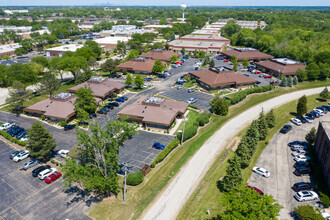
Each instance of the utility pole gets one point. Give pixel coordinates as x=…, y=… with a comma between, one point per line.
x=125, y=169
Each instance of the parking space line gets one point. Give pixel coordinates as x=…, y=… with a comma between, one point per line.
x=16, y=212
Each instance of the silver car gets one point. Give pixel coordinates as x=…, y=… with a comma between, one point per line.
x=30, y=164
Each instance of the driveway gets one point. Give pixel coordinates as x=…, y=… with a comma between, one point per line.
x=168, y=204
x=277, y=158
x=26, y=197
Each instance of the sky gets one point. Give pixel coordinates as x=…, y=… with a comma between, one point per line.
x=167, y=2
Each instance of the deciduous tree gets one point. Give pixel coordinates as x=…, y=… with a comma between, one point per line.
x=138, y=81
x=17, y=95
x=49, y=83
x=129, y=79
x=219, y=106
x=158, y=67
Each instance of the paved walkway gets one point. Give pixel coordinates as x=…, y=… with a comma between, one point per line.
x=183, y=184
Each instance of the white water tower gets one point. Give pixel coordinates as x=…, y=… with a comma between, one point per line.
x=183, y=7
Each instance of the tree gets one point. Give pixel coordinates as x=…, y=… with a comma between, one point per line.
x=85, y=52
x=206, y=60
x=310, y=136
x=94, y=46
x=263, y=126
x=107, y=53
x=83, y=75
x=43, y=61
x=85, y=100
x=92, y=62
x=301, y=75
x=212, y=64
x=233, y=178
x=17, y=95
x=324, y=71
x=234, y=62
x=129, y=79
x=40, y=142
x=20, y=51
x=230, y=29
x=167, y=46
x=290, y=81
x=4, y=77
x=270, y=118
x=235, y=67
x=307, y=212
x=109, y=65
x=72, y=64
x=174, y=58
x=138, y=81
x=132, y=54
x=295, y=80
x=158, y=67
x=183, y=50
x=6, y=57
x=219, y=106
x=302, y=105
x=24, y=73
x=121, y=48
x=313, y=71
x=98, y=157
x=244, y=203
x=325, y=93
x=245, y=62
x=49, y=83
x=284, y=82
x=243, y=152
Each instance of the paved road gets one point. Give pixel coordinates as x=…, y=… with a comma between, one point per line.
x=277, y=158
x=173, y=198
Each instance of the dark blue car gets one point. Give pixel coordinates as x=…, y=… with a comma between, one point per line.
x=21, y=134
x=120, y=99
x=158, y=146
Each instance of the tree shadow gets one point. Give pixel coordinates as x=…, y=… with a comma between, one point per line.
x=294, y=114
x=321, y=99
x=81, y=195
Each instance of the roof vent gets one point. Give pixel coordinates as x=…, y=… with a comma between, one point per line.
x=143, y=111
x=47, y=106
x=51, y=102
x=145, y=107
x=171, y=108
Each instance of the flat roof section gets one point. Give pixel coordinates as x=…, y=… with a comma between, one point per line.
x=285, y=61
x=204, y=38
x=64, y=48
x=197, y=44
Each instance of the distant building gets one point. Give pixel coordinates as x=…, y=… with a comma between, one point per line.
x=15, y=29
x=220, y=78
x=322, y=149
x=249, y=53
x=8, y=49
x=10, y=12
x=102, y=87
x=139, y=65
x=244, y=24
x=280, y=66
x=156, y=27
x=110, y=43
x=159, y=54
x=154, y=112
x=206, y=32
x=59, y=51
x=123, y=31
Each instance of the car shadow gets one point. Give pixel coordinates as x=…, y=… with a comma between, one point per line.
x=81, y=195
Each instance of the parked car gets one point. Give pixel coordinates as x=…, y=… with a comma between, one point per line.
x=30, y=164
x=312, y=116
x=21, y=156
x=13, y=154
x=21, y=134
x=108, y=109
x=302, y=186
x=327, y=107
x=162, y=76
x=175, y=65
x=302, y=164
x=38, y=170
x=301, y=158
x=144, y=86
x=52, y=177
x=296, y=121
x=179, y=87
x=24, y=138
x=63, y=153
x=286, y=129
x=226, y=61
x=267, y=76
x=120, y=100
x=321, y=113
x=325, y=110
x=306, y=196
x=69, y=127
x=116, y=104
x=158, y=146
x=109, y=106
x=102, y=111
x=261, y=171
x=325, y=215
x=302, y=171
x=43, y=174
x=302, y=119
x=179, y=62
x=191, y=90
x=246, y=75
x=255, y=189
x=292, y=143
x=315, y=113
x=6, y=126
x=191, y=100
x=148, y=79
x=296, y=147
x=258, y=82
x=299, y=152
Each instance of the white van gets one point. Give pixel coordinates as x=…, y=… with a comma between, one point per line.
x=46, y=173
x=298, y=147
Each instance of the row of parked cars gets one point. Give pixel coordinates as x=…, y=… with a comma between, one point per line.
x=45, y=173
x=14, y=130
x=309, y=117
x=105, y=109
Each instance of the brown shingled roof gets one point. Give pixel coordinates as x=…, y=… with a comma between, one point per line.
x=162, y=55
x=214, y=79
x=138, y=65
x=288, y=69
x=249, y=54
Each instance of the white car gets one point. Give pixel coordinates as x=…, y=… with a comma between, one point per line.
x=306, y=196
x=145, y=86
x=24, y=138
x=21, y=156
x=46, y=173
x=64, y=153
x=308, y=119
x=296, y=121
x=299, y=152
x=326, y=216
x=6, y=126
x=319, y=111
x=261, y=171
x=191, y=100
x=302, y=158
x=179, y=87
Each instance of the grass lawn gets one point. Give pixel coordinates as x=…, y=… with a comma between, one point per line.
x=139, y=197
x=192, y=116
x=207, y=196
x=188, y=84
x=135, y=89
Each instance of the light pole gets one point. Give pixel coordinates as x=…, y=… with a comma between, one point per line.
x=125, y=169
x=184, y=126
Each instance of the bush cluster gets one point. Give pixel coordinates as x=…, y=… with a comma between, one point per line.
x=135, y=179
x=240, y=95
x=12, y=139
x=203, y=119
x=165, y=152
x=63, y=123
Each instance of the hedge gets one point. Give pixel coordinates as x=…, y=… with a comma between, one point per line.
x=193, y=106
x=63, y=123
x=160, y=157
x=188, y=132
x=12, y=139
x=240, y=95
x=203, y=119
x=135, y=179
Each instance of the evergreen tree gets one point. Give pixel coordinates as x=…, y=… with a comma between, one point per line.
x=40, y=142
x=129, y=79
x=252, y=136
x=325, y=93
x=263, y=126
x=219, y=106
x=270, y=119
x=310, y=136
x=290, y=81
x=233, y=178
x=302, y=105
x=206, y=61
x=244, y=153
x=295, y=80
x=284, y=82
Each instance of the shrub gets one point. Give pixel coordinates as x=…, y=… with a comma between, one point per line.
x=52, y=161
x=203, y=119
x=165, y=152
x=63, y=123
x=307, y=212
x=193, y=106
x=42, y=117
x=135, y=179
x=189, y=132
x=12, y=139
x=240, y=95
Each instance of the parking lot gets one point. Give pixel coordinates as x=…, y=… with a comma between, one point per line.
x=277, y=159
x=203, y=99
x=26, y=197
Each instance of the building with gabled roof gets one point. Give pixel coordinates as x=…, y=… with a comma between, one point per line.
x=154, y=112
x=246, y=53
x=140, y=65
x=160, y=54
x=280, y=66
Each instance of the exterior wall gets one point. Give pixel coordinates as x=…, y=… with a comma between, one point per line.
x=54, y=53
x=322, y=150
x=9, y=53
x=108, y=46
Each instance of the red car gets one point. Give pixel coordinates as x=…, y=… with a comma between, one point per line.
x=179, y=62
x=226, y=61
x=257, y=72
x=267, y=76
x=186, y=74
x=255, y=189
x=53, y=177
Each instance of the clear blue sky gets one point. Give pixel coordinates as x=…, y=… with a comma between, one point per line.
x=169, y=2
